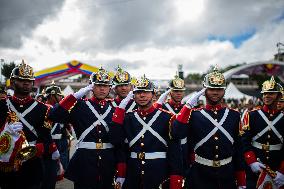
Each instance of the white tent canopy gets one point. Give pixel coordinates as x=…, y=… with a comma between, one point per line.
x=68, y=90
x=233, y=93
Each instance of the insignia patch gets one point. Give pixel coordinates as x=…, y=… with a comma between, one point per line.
x=5, y=143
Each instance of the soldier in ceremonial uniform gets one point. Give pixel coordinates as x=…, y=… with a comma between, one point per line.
x=93, y=165
x=262, y=136
x=147, y=131
x=23, y=120
x=214, y=134
x=122, y=86
x=280, y=104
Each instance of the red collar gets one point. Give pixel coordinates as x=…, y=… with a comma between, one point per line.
x=22, y=101
x=213, y=107
x=118, y=100
x=145, y=112
x=174, y=104
x=265, y=108
x=99, y=102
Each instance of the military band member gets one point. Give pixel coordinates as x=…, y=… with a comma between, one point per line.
x=214, y=133
x=22, y=118
x=94, y=163
x=262, y=136
x=122, y=86
x=147, y=131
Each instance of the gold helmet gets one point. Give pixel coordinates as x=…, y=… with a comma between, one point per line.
x=144, y=84
x=282, y=97
x=23, y=71
x=101, y=77
x=214, y=79
x=53, y=90
x=177, y=84
x=121, y=77
x=271, y=86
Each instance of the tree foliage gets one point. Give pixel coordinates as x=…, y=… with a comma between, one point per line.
x=7, y=68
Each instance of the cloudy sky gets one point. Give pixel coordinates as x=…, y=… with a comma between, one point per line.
x=142, y=36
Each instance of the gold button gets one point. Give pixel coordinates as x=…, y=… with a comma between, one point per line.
x=268, y=136
x=142, y=172
x=142, y=144
x=215, y=112
x=267, y=157
x=100, y=157
x=216, y=138
x=269, y=129
x=142, y=136
x=143, y=162
x=216, y=147
x=144, y=118
x=215, y=119
x=216, y=156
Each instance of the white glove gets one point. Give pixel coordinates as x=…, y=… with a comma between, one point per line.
x=55, y=155
x=192, y=101
x=279, y=179
x=242, y=187
x=79, y=94
x=15, y=128
x=125, y=101
x=256, y=167
x=119, y=181
x=163, y=97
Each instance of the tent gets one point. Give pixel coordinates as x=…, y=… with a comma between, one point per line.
x=233, y=93
x=68, y=90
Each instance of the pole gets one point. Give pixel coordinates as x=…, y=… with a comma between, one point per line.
x=2, y=61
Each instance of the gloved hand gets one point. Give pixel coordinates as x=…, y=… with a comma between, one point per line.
x=119, y=182
x=55, y=155
x=279, y=179
x=79, y=94
x=125, y=101
x=192, y=101
x=163, y=97
x=15, y=128
x=256, y=167
x=242, y=187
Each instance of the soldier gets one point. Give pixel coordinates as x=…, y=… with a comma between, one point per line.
x=54, y=95
x=93, y=163
x=280, y=104
x=25, y=134
x=214, y=134
x=122, y=86
x=262, y=136
x=147, y=130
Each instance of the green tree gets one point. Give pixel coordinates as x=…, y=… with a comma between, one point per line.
x=7, y=68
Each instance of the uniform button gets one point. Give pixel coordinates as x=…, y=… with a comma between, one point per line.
x=216, y=138
x=142, y=136
x=142, y=172
x=216, y=147
x=100, y=131
x=215, y=112
x=268, y=136
x=267, y=157
x=215, y=119
x=143, y=162
x=216, y=156
x=100, y=157
x=269, y=129
x=144, y=118
x=271, y=115
x=102, y=106
x=142, y=144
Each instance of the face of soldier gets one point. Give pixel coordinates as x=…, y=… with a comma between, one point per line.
x=22, y=87
x=280, y=105
x=177, y=95
x=214, y=95
x=270, y=98
x=101, y=91
x=122, y=90
x=143, y=98
x=53, y=99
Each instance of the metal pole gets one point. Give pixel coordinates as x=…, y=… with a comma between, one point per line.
x=2, y=61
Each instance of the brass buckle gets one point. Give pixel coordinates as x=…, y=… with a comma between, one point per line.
x=216, y=163
x=265, y=147
x=99, y=145
x=141, y=155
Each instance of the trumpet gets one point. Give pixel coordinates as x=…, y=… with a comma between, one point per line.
x=26, y=151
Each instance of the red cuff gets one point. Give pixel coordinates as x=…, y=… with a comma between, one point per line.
x=176, y=182
x=40, y=149
x=68, y=102
x=241, y=178
x=184, y=114
x=52, y=148
x=250, y=157
x=121, y=170
x=281, y=168
x=157, y=105
x=118, y=115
